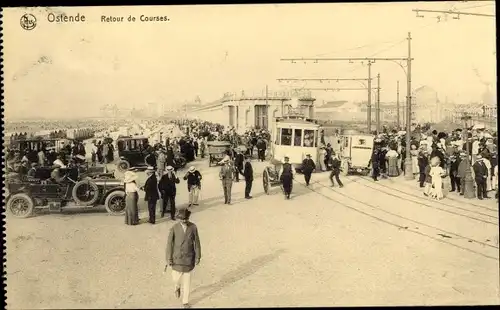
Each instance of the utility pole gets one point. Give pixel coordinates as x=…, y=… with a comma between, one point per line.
x=369, y=103
x=267, y=108
x=408, y=162
x=397, y=107
x=377, y=107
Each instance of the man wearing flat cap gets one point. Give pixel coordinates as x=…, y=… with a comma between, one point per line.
x=286, y=175
x=308, y=166
x=183, y=254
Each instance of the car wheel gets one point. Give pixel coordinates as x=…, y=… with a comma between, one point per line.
x=115, y=203
x=123, y=165
x=85, y=193
x=20, y=205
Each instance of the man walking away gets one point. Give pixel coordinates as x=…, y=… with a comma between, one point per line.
x=183, y=254
x=335, y=171
x=226, y=175
x=168, y=190
x=150, y=189
x=308, y=166
x=480, y=174
x=261, y=149
x=248, y=173
x=286, y=177
x=193, y=178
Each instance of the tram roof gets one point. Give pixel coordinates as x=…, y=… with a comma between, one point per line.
x=298, y=122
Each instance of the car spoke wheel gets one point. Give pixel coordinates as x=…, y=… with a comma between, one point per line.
x=123, y=165
x=20, y=205
x=115, y=203
x=85, y=193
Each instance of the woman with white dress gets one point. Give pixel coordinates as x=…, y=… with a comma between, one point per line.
x=414, y=159
x=487, y=163
x=436, y=173
x=322, y=154
x=131, y=198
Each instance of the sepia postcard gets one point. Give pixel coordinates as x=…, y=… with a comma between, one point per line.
x=269, y=155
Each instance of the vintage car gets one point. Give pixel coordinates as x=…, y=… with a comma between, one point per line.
x=356, y=151
x=134, y=152
x=25, y=194
x=217, y=150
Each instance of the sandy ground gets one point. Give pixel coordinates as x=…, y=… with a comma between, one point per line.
x=390, y=246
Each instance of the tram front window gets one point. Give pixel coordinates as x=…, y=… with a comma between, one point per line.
x=286, y=136
x=297, y=140
x=308, y=138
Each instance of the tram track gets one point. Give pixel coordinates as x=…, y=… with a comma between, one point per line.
x=425, y=202
x=447, y=197
x=472, y=245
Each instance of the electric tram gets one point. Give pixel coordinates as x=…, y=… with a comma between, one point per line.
x=294, y=136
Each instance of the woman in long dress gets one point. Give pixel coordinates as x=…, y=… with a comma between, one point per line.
x=436, y=174
x=487, y=163
x=414, y=160
x=322, y=155
x=392, y=159
x=131, y=198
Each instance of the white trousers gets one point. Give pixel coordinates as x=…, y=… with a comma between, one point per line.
x=182, y=279
x=194, y=194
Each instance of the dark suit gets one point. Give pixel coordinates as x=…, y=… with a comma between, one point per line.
x=248, y=173
x=168, y=190
x=151, y=196
x=308, y=166
x=454, y=178
x=480, y=175
x=183, y=248
x=335, y=172
x=238, y=163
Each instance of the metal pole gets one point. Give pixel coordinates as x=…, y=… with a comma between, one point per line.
x=469, y=192
x=408, y=163
x=267, y=107
x=369, y=105
x=397, y=107
x=377, y=107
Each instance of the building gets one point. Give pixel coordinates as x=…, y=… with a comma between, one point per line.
x=243, y=111
x=426, y=107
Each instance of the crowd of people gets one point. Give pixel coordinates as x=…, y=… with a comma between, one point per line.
x=438, y=155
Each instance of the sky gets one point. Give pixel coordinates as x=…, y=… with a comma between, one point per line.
x=70, y=70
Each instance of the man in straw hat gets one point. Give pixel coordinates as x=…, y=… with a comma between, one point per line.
x=226, y=175
x=183, y=254
x=168, y=190
x=150, y=189
x=286, y=177
x=193, y=178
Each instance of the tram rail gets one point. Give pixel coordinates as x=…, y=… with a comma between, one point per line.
x=472, y=245
x=423, y=204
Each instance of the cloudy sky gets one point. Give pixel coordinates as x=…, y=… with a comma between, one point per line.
x=70, y=70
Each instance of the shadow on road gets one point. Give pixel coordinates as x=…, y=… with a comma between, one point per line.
x=243, y=271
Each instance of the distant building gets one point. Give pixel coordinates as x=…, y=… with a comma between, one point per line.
x=243, y=111
x=426, y=106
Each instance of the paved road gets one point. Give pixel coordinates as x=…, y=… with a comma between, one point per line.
x=366, y=244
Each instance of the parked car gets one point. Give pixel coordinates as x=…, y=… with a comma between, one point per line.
x=25, y=194
x=136, y=152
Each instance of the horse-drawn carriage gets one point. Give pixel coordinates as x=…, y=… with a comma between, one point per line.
x=294, y=137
